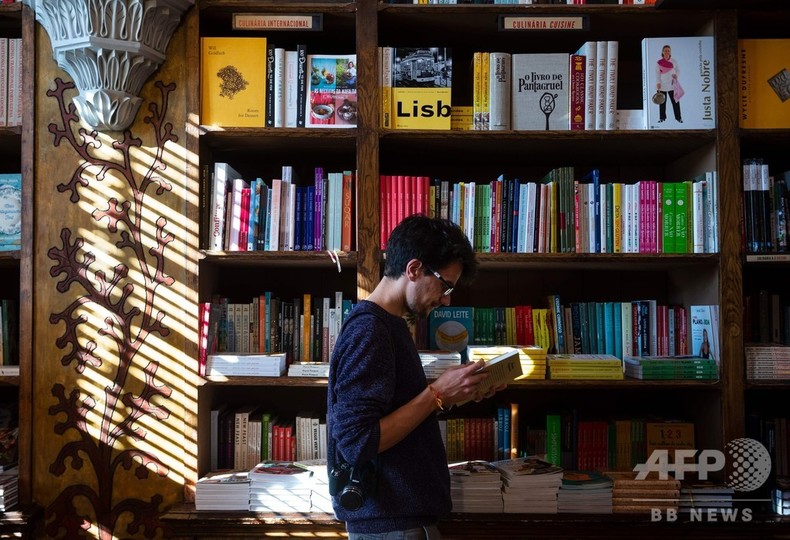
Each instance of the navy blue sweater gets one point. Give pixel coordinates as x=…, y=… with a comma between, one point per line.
x=375, y=369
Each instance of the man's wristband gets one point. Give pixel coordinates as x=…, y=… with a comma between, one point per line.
x=437, y=398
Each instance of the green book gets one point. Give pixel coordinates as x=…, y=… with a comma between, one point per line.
x=553, y=439
x=682, y=201
x=668, y=221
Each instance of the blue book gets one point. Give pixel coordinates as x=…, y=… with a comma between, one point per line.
x=10, y=211
x=618, y=330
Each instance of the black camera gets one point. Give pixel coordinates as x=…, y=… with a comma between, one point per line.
x=351, y=484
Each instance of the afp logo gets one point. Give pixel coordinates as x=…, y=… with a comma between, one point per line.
x=750, y=464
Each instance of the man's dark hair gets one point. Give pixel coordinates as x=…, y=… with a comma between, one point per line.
x=436, y=242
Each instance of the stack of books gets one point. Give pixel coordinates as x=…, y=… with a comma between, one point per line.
x=780, y=496
x=585, y=367
x=767, y=362
x=320, y=499
x=585, y=492
x=309, y=369
x=475, y=486
x=670, y=368
x=704, y=495
x=280, y=487
x=9, y=488
x=630, y=495
x=434, y=363
x=532, y=358
x=245, y=365
x=223, y=490
x=529, y=485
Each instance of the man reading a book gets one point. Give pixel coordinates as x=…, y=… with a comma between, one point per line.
x=380, y=407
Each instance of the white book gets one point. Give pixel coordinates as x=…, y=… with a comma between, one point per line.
x=3, y=81
x=14, y=100
x=291, y=88
x=532, y=195
x=540, y=91
x=600, y=84
x=678, y=82
x=588, y=50
x=237, y=185
x=274, y=229
x=522, y=218
x=279, y=87
x=612, y=52
x=223, y=174
x=698, y=217
x=602, y=216
x=249, y=364
x=499, y=91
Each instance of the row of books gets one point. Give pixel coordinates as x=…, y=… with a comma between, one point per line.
x=766, y=206
x=281, y=215
x=532, y=485
x=304, y=328
x=766, y=317
x=619, y=329
x=10, y=211
x=244, y=435
x=279, y=486
x=294, y=89
x=563, y=212
x=10, y=82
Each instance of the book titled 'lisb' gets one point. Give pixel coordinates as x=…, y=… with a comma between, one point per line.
x=233, y=82
x=764, y=88
x=540, y=91
x=678, y=78
x=421, y=88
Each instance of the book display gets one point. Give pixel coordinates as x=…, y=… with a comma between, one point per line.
x=390, y=128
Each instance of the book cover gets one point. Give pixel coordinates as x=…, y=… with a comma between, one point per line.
x=422, y=88
x=233, y=81
x=705, y=331
x=501, y=369
x=332, y=91
x=540, y=91
x=450, y=328
x=10, y=211
x=764, y=86
x=678, y=82
x=499, y=91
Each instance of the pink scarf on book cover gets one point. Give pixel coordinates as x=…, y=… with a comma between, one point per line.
x=665, y=65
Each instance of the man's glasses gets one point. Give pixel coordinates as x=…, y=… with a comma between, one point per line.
x=448, y=287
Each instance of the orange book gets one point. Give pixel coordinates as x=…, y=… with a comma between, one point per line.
x=763, y=86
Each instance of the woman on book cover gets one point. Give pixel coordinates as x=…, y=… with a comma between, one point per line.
x=380, y=407
x=668, y=85
x=705, y=350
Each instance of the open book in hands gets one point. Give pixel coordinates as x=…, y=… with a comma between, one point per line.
x=501, y=369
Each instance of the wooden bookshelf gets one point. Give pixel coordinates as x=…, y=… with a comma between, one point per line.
x=718, y=407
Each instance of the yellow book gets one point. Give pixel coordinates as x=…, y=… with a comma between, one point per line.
x=764, y=83
x=617, y=197
x=477, y=97
x=422, y=88
x=462, y=117
x=233, y=82
x=485, y=99
x=306, y=325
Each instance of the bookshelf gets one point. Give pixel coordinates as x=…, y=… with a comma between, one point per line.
x=16, y=150
x=763, y=401
x=717, y=408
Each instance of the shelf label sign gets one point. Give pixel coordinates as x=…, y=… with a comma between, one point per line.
x=542, y=23
x=262, y=21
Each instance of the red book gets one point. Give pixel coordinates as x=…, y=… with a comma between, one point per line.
x=244, y=225
x=385, y=197
x=347, y=227
x=578, y=72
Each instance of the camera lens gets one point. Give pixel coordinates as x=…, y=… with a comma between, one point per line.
x=351, y=498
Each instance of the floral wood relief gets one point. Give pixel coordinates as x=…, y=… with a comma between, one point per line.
x=107, y=453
